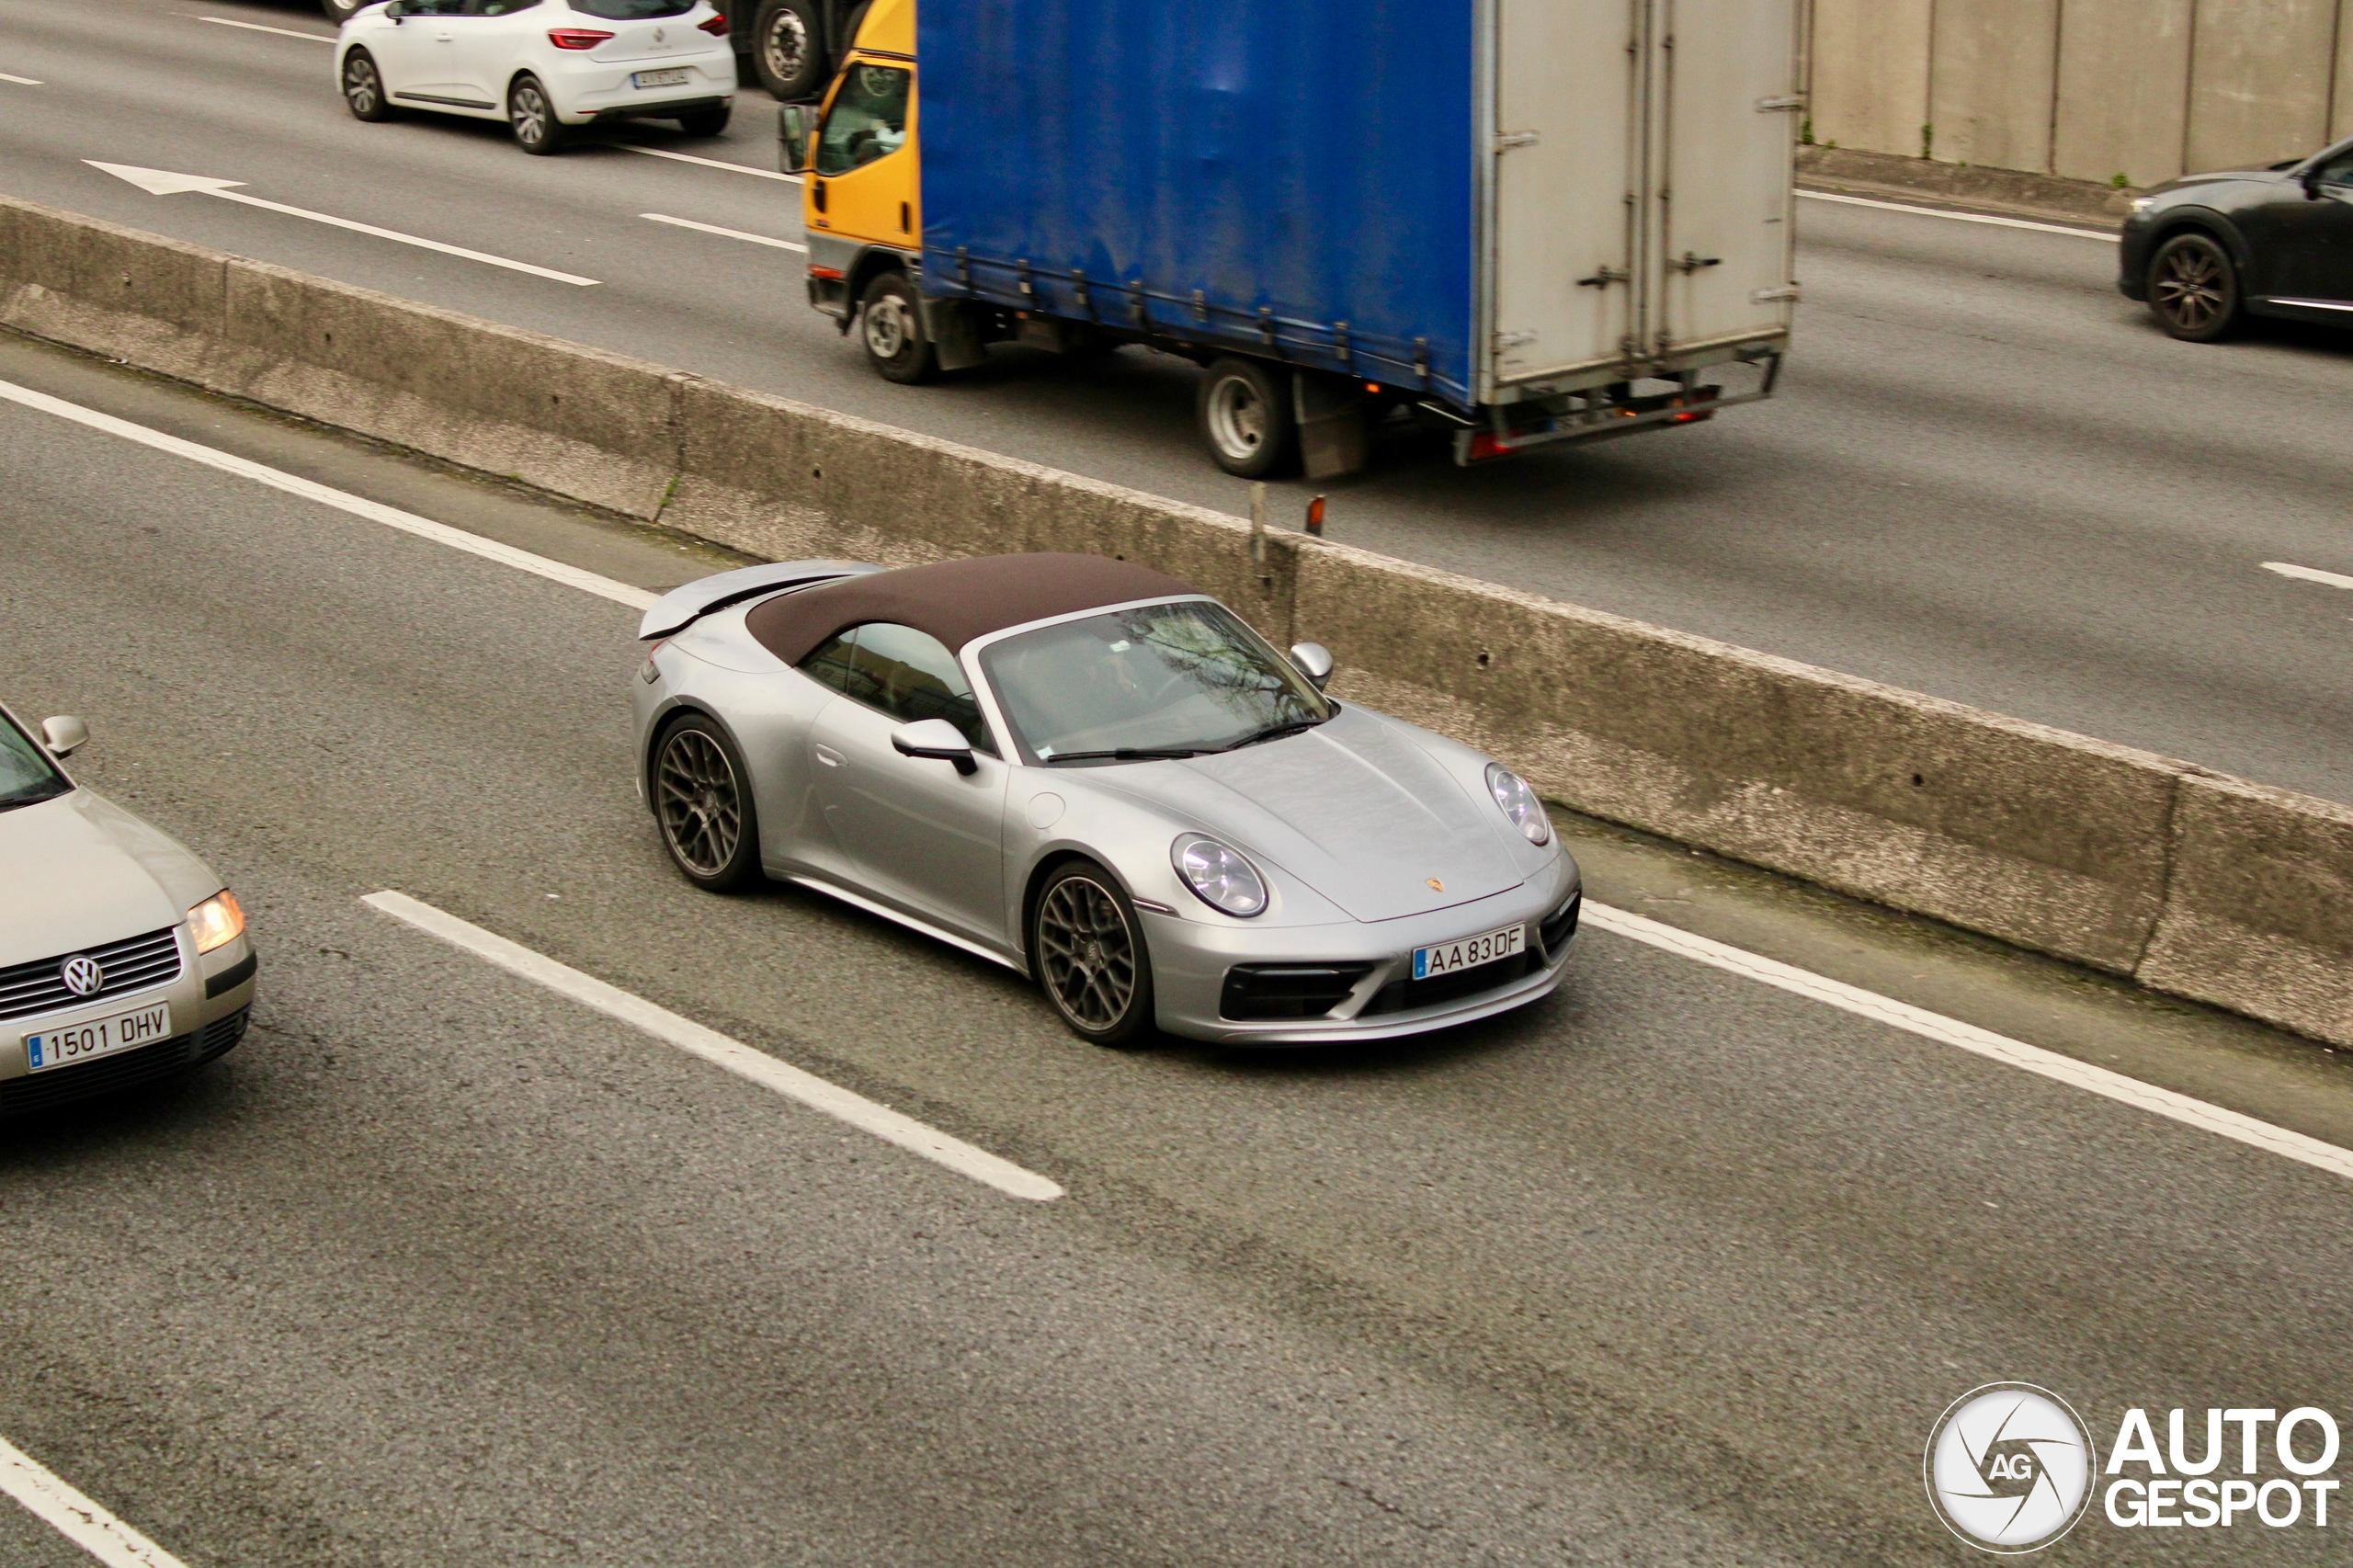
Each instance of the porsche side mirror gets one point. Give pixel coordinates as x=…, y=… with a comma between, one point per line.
x=1314, y=662
x=64, y=734
x=795, y=124
x=936, y=739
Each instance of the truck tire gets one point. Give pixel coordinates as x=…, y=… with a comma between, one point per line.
x=891, y=326
x=1245, y=413
x=340, y=11
x=788, y=49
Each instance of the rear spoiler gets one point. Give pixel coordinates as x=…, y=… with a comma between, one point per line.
x=683, y=606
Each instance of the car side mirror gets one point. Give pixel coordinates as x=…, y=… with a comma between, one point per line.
x=1314, y=662
x=395, y=11
x=64, y=734
x=796, y=126
x=936, y=739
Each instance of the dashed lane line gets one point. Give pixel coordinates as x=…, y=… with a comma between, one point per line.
x=75, y=1517
x=258, y=27
x=2309, y=575
x=758, y=1066
x=22, y=80
x=707, y=163
x=729, y=233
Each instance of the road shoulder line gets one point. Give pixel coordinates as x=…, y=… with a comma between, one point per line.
x=2181, y=1107
x=327, y=496
x=75, y=1517
x=867, y=1115
x=1959, y=217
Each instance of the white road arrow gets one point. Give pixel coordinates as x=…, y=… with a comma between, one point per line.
x=162, y=182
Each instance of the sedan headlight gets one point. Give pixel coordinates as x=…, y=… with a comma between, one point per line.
x=217, y=921
x=1519, y=803
x=1219, y=876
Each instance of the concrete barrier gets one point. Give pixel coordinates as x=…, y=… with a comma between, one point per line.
x=2206, y=887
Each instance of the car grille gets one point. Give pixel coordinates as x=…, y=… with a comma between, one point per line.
x=134, y=964
x=1405, y=996
x=127, y=1070
x=1288, y=991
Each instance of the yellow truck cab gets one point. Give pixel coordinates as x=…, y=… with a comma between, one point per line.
x=861, y=196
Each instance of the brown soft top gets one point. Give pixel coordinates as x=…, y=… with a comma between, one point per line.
x=955, y=600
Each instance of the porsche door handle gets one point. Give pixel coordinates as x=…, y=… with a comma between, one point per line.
x=829, y=756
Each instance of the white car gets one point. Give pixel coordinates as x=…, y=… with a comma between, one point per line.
x=123, y=959
x=543, y=67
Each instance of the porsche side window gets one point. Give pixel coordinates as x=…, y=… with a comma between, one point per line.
x=829, y=666
x=868, y=118
x=910, y=674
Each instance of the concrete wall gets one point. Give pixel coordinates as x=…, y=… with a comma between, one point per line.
x=2126, y=861
x=2088, y=89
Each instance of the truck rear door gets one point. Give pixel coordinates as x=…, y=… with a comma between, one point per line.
x=1638, y=196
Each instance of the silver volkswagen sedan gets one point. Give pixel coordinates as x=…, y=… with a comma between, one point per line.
x=1099, y=777
x=123, y=959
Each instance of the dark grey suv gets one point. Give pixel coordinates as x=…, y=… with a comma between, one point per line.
x=2206, y=250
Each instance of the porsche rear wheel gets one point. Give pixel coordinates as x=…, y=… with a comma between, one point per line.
x=703, y=798
x=1087, y=950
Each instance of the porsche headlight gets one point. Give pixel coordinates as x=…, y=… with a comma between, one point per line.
x=1519, y=803
x=1219, y=876
x=217, y=921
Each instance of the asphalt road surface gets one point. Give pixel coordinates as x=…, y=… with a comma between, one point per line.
x=441, y=1267
x=1988, y=477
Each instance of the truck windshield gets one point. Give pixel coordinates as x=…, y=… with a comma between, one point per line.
x=25, y=773
x=1162, y=680
x=868, y=118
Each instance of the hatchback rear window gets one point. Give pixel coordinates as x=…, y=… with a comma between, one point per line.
x=631, y=10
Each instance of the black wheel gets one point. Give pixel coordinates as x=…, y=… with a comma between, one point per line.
x=702, y=797
x=2194, y=288
x=1246, y=417
x=531, y=113
x=363, y=89
x=892, y=330
x=706, y=122
x=1087, y=950
x=788, y=50
x=341, y=11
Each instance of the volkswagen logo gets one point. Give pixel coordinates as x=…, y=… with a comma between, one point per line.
x=83, y=975
x=2009, y=1467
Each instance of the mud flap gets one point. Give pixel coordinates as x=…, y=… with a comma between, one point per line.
x=1333, y=437
x=954, y=337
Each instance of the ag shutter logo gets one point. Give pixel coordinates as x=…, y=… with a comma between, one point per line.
x=2009, y=1467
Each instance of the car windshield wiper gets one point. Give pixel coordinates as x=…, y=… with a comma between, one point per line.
x=1271, y=732
x=1124, y=753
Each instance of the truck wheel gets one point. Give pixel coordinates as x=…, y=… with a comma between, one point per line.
x=1246, y=417
x=893, y=328
x=2193, y=288
x=788, y=50
x=340, y=11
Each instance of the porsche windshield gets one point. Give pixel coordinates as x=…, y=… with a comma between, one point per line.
x=1162, y=680
x=25, y=774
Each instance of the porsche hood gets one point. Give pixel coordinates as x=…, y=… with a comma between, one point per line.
x=1352, y=808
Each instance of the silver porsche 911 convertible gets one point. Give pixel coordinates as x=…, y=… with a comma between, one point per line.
x=1096, y=775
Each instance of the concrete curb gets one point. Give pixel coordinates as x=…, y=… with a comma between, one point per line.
x=2210, y=888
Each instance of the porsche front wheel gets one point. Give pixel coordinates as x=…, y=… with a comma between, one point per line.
x=1087, y=950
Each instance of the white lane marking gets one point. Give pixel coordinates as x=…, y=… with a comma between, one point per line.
x=708, y=163
x=75, y=1517
x=343, y=501
x=1963, y=217
x=866, y=1115
x=162, y=182
x=21, y=81
x=258, y=27
x=1983, y=1043
x=729, y=233
x=2308, y=573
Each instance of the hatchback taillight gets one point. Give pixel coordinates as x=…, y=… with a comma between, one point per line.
x=577, y=37
x=716, y=26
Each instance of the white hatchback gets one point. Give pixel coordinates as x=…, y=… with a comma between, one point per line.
x=543, y=67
